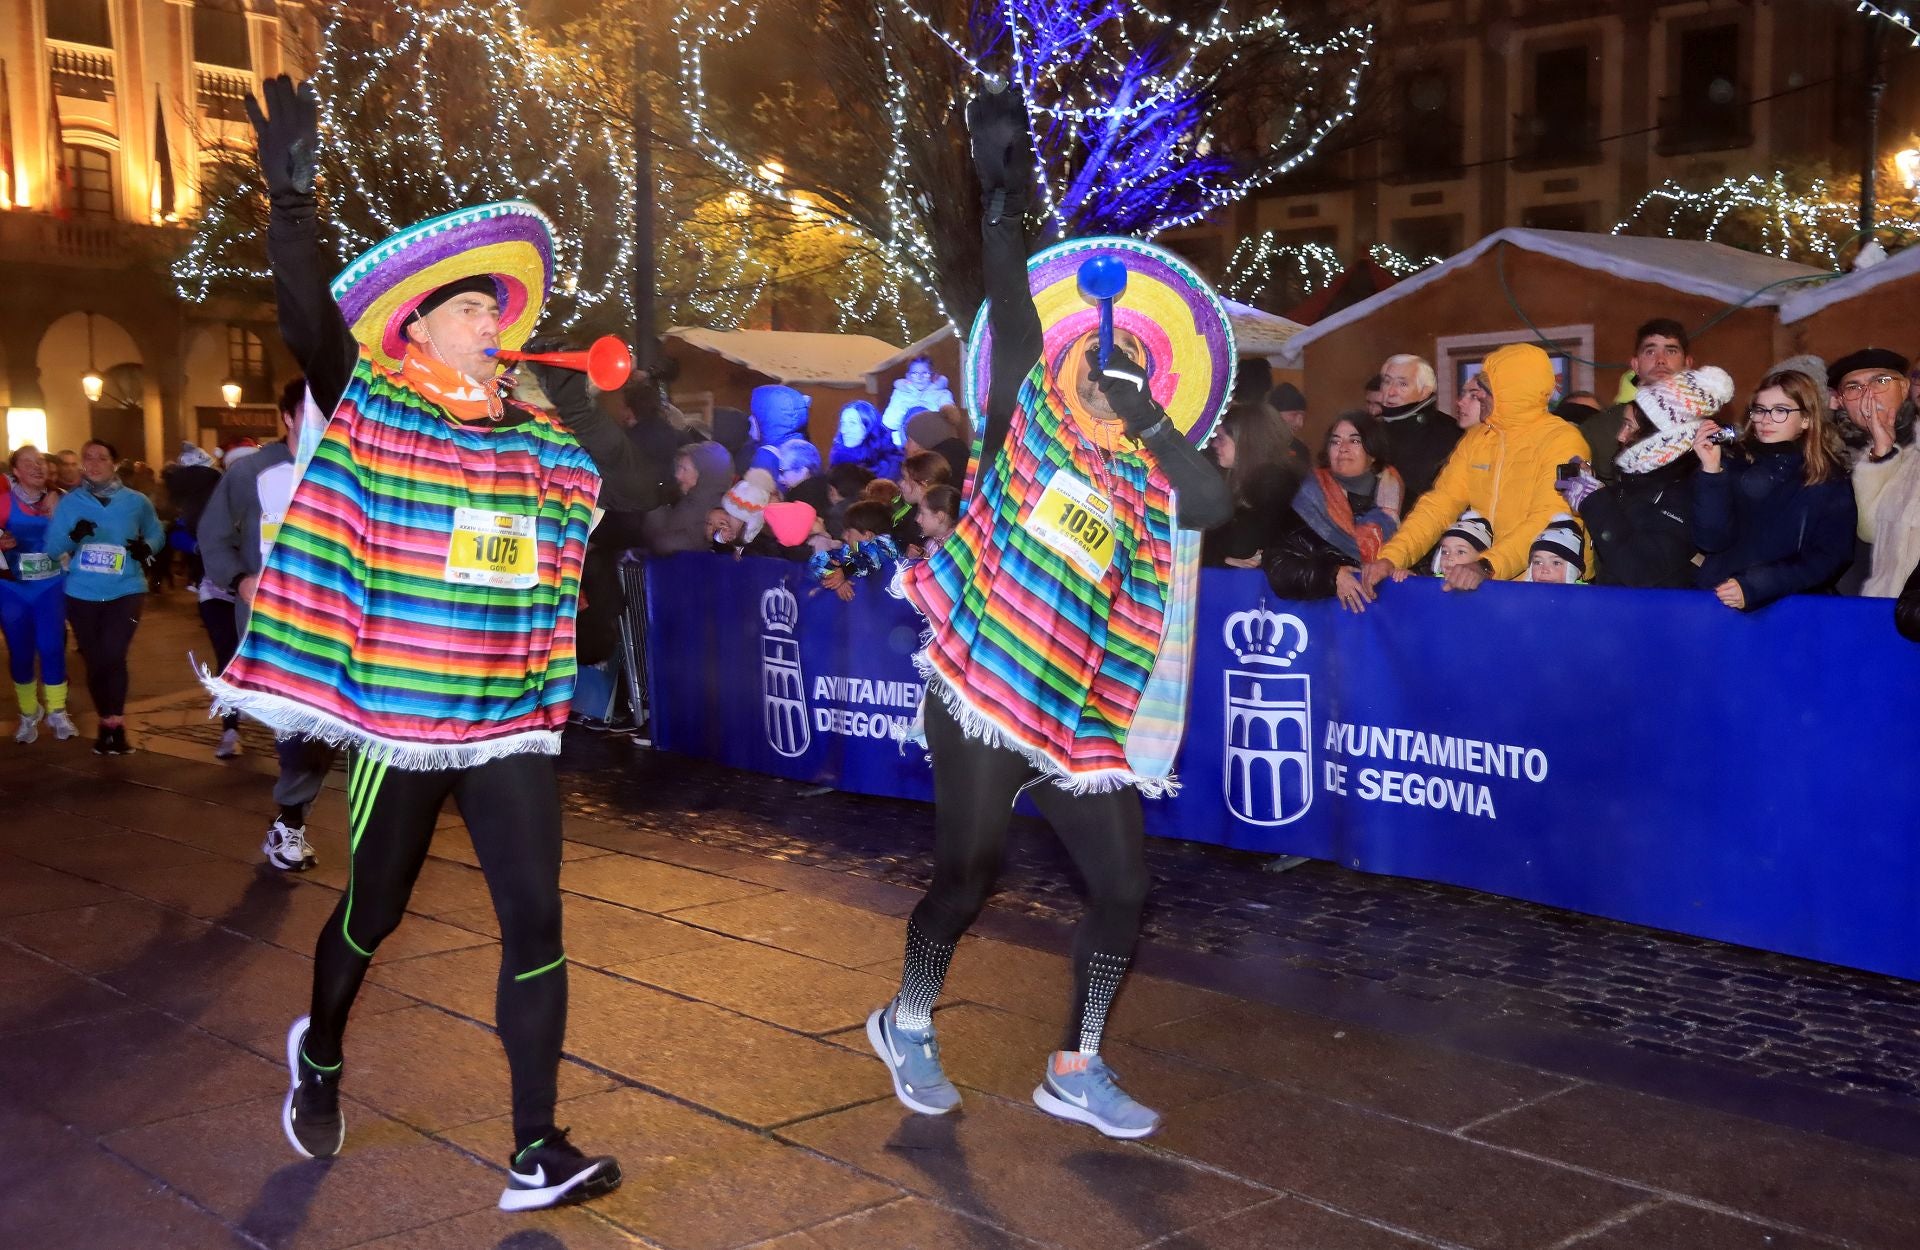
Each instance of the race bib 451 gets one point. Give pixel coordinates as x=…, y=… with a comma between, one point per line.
x=496, y=549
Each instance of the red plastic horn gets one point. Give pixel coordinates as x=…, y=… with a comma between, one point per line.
x=607, y=363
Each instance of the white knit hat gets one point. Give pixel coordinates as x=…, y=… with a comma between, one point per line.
x=1676, y=407
x=747, y=503
x=1472, y=529
x=1563, y=538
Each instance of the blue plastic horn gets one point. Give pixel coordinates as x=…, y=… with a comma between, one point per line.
x=1103, y=279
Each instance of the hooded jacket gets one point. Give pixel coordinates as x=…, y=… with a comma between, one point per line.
x=682, y=526
x=1502, y=468
x=781, y=413
x=906, y=398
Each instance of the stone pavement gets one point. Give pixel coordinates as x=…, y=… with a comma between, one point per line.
x=149, y=966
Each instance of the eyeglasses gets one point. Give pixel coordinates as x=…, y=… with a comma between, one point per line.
x=1853, y=390
x=1776, y=415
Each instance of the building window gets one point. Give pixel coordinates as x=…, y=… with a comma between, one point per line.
x=1560, y=128
x=247, y=364
x=1420, y=237
x=1558, y=217
x=80, y=21
x=220, y=34
x=1457, y=358
x=90, y=171
x=1429, y=140
x=1709, y=110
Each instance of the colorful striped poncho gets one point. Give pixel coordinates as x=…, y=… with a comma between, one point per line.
x=1085, y=677
x=418, y=604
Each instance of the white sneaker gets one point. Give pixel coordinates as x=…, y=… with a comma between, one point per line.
x=29, y=727
x=287, y=849
x=62, y=725
x=229, y=747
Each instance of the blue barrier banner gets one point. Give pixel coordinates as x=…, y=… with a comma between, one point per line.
x=1650, y=756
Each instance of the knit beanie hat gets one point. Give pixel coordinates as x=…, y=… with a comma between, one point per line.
x=1676, y=407
x=1809, y=364
x=747, y=503
x=928, y=429
x=1563, y=538
x=1472, y=529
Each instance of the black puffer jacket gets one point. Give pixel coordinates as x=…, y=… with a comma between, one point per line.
x=1420, y=437
x=1641, y=526
x=1301, y=564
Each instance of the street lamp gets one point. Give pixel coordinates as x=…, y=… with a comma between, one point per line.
x=91, y=383
x=1907, y=161
x=230, y=391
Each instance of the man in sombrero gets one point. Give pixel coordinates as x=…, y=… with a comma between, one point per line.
x=417, y=608
x=1059, y=611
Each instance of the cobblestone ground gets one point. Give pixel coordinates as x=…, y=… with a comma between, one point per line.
x=1792, y=1021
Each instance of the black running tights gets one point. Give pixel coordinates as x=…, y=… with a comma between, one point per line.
x=512, y=811
x=104, y=634
x=975, y=786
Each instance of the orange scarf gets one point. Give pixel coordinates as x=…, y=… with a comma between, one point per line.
x=462, y=397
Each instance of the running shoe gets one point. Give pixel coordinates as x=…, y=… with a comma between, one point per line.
x=913, y=1061
x=117, y=743
x=103, y=742
x=286, y=848
x=311, y=1115
x=229, y=747
x=1083, y=1088
x=62, y=726
x=553, y=1173
x=29, y=730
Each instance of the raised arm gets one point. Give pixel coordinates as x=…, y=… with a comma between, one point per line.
x=1003, y=157
x=288, y=133
x=628, y=483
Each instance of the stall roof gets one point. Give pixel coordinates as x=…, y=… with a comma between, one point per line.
x=1713, y=270
x=1258, y=333
x=792, y=356
x=919, y=347
x=1803, y=303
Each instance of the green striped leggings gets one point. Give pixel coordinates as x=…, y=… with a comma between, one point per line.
x=511, y=808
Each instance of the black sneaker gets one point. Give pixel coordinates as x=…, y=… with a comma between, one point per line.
x=103, y=743
x=311, y=1116
x=553, y=1173
x=116, y=740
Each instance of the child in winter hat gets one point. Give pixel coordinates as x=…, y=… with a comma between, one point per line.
x=1559, y=554
x=1676, y=407
x=1463, y=542
x=747, y=503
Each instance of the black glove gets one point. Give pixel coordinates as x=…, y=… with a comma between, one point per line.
x=138, y=549
x=1002, y=151
x=1124, y=383
x=82, y=531
x=565, y=388
x=288, y=134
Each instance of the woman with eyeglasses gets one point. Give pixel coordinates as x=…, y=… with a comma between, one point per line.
x=1774, y=513
x=1341, y=516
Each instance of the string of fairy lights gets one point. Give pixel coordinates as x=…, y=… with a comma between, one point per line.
x=401, y=140
x=1120, y=97
x=1894, y=17
x=1263, y=270
x=1762, y=212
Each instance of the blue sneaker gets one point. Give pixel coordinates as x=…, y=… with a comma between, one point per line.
x=1083, y=1088
x=913, y=1060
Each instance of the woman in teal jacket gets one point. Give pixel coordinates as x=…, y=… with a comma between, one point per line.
x=108, y=531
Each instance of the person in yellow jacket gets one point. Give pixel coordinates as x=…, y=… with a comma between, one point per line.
x=1503, y=468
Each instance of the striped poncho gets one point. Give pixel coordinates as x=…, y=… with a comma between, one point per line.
x=418, y=604
x=1084, y=677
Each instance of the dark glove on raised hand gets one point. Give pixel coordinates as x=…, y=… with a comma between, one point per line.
x=138, y=549
x=1124, y=383
x=288, y=134
x=1002, y=151
x=82, y=531
x=566, y=389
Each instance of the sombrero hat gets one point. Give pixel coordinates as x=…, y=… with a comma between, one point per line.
x=510, y=242
x=1168, y=307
